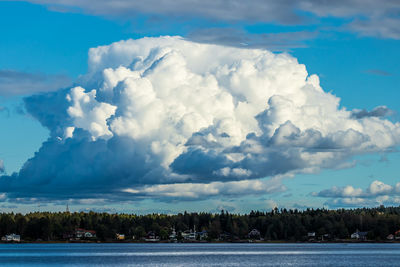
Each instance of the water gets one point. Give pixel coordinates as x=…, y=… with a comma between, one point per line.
x=200, y=254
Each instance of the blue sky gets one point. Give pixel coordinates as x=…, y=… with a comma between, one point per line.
x=44, y=48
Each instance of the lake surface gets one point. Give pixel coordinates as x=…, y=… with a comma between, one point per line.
x=200, y=254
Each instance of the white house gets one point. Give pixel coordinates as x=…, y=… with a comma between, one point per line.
x=189, y=234
x=359, y=235
x=79, y=233
x=12, y=238
x=172, y=236
x=90, y=233
x=355, y=235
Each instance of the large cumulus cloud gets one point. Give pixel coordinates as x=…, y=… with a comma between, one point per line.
x=162, y=111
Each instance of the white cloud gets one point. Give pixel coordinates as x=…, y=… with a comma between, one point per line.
x=351, y=191
x=345, y=192
x=382, y=199
x=157, y=112
x=376, y=194
x=378, y=187
x=232, y=172
x=350, y=201
x=88, y=114
x=197, y=191
x=375, y=188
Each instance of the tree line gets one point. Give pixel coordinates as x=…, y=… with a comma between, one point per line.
x=277, y=224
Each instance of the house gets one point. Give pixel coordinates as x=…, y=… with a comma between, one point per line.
x=397, y=235
x=11, y=238
x=90, y=234
x=390, y=237
x=326, y=237
x=83, y=233
x=310, y=234
x=192, y=235
x=203, y=235
x=16, y=238
x=359, y=235
x=79, y=233
x=254, y=234
x=225, y=236
x=189, y=235
x=68, y=235
x=363, y=235
x=185, y=234
x=120, y=236
x=355, y=235
x=172, y=236
x=151, y=237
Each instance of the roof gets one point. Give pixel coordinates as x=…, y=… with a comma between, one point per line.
x=14, y=235
x=361, y=233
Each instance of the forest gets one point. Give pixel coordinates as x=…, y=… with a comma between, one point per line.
x=275, y=225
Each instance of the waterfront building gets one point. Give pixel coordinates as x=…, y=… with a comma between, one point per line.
x=120, y=236
x=11, y=238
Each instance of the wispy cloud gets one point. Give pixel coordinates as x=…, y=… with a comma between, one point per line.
x=13, y=82
x=196, y=191
x=380, y=111
x=366, y=18
x=240, y=38
x=380, y=26
x=220, y=10
x=378, y=72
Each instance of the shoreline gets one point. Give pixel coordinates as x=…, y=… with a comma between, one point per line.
x=211, y=242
